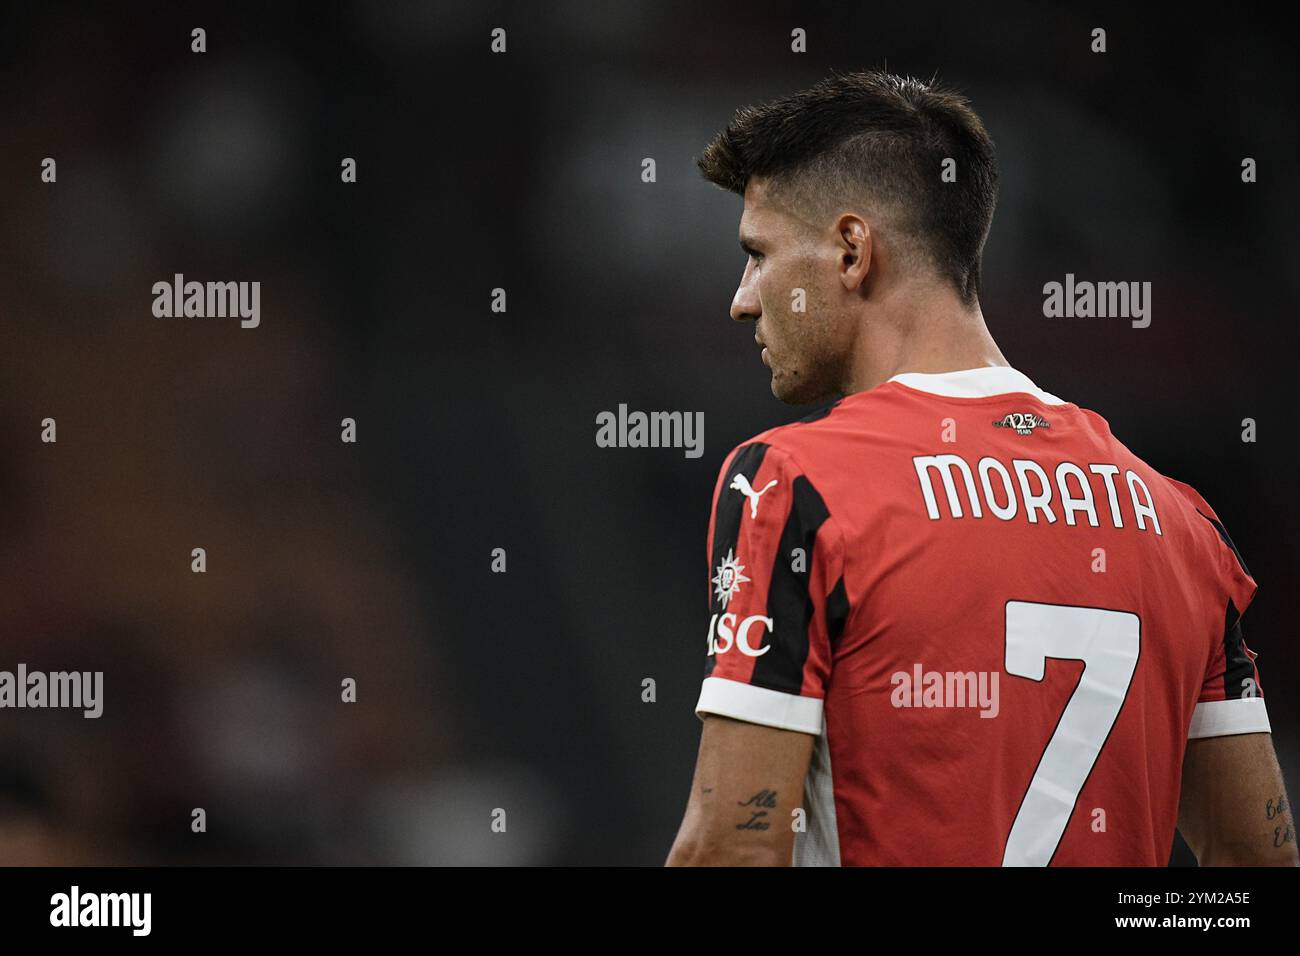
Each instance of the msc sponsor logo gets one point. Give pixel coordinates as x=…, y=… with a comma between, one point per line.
x=729, y=578
x=724, y=634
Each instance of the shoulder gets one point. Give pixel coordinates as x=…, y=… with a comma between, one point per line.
x=1221, y=542
x=795, y=448
x=1187, y=499
x=1211, y=545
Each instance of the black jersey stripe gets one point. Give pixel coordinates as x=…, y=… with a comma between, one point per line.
x=817, y=414
x=726, y=518
x=837, y=612
x=789, y=602
x=1238, y=667
x=1223, y=533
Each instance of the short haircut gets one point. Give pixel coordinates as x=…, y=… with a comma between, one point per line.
x=879, y=137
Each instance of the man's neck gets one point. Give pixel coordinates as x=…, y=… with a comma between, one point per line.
x=933, y=332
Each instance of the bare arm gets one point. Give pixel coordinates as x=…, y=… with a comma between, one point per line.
x=748, y=779
x=1234, y=810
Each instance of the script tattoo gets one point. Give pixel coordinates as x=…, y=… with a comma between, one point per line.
x=1271, y=811
x=764, y=798
x=1284, y=833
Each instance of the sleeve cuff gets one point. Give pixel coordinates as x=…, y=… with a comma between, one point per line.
x=759, y=705
x=1219, y=718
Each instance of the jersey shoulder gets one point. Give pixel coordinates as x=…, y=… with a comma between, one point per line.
x=790, y=440
x=1211, y=541
x=1184, y=496
x=1221, y=541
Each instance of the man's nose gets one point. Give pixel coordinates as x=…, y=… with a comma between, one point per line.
x=745, y=305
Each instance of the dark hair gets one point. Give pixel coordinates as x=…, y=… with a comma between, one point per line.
x=881, y=136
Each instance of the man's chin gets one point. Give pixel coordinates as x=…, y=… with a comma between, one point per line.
x=797, y=393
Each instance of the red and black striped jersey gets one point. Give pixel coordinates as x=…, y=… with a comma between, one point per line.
x=1000, y=624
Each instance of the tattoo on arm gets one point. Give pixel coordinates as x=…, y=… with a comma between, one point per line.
x=1283, y=835
x=1284, y=832
x=759, y=804
x=1272, y=809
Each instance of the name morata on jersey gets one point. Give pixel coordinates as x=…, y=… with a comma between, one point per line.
x=1000, y=625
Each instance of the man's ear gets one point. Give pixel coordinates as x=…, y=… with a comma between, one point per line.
x=854, y=237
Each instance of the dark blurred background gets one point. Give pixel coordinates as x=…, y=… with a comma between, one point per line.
x=476, y=429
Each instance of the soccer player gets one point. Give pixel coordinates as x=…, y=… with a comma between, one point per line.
x=953, y=620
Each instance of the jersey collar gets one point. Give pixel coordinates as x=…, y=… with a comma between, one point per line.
x=975, y=383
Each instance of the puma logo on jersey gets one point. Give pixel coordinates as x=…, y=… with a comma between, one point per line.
x=741, y=483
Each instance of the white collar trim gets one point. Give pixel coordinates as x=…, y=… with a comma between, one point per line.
x=975, y=383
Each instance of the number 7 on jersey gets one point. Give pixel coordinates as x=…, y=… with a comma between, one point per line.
x=1108, y=643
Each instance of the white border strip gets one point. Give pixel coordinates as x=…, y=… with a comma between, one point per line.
x=1218, y=718
x=759, y=705
x=975, y=383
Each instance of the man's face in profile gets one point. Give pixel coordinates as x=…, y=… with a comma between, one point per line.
x=785, y=292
